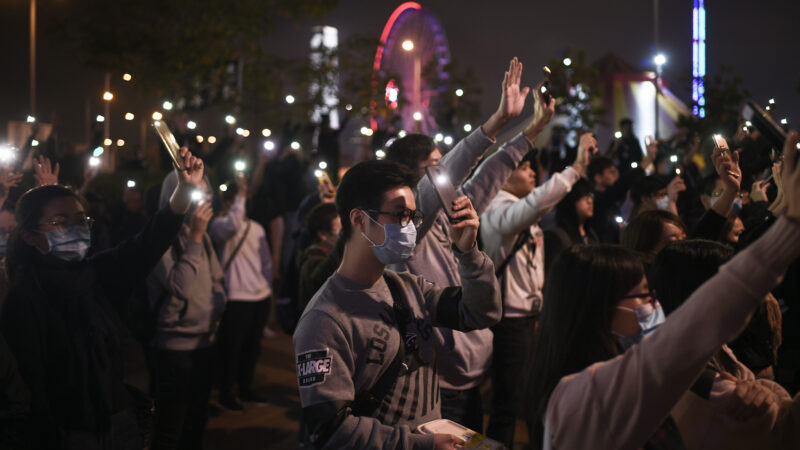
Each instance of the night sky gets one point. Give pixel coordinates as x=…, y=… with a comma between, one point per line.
x=756, y=37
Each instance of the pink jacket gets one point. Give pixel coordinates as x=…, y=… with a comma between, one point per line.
x=619, y=403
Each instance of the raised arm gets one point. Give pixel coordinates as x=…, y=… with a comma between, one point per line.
x=460, y=161
x=493, y=173
x=635, y=391
x=476, y=303
x=225, y=227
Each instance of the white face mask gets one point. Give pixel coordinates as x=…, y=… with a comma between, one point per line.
x=663, y=203
x=70, y=244
x=398, y=243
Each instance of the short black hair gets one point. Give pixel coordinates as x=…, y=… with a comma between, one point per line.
x=625, y=121
x=320, y=219
x=364, y=185
x=411, y=150
x=598, y=165
x=646, y=187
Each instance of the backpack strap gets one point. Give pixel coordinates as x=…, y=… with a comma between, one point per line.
x=367, y=402
x=238, y=247
x=522, y=238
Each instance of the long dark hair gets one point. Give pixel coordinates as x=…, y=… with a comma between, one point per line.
x=28, y=214
x=582, y=291
x=566, y=217
x=682, y=267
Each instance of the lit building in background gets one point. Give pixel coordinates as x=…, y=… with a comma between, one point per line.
x=324, y=41
x=699, y=57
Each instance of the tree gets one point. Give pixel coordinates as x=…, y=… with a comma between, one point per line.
x=575, y=89
x=204, y=52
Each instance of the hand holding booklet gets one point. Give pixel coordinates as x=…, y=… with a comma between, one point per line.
x=472, y=439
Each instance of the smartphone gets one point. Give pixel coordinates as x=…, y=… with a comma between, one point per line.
x=325, y=181
x=545, y=89
x=764, y=123
x=648, y=140
x=444, y=189
x=170, y=143
x=721, y=143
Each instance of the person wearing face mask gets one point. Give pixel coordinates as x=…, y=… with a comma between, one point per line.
x=366, y=359
x=653, y=192
x=586, y=392
x=187, y=295
x=61, y=316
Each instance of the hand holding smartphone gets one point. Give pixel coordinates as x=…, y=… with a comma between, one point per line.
x=721, y=144
x=545, y=89
x=170, y=143
x=444, y=189
x=325, y=183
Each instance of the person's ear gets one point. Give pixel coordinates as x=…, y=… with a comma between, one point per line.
x=357, y=219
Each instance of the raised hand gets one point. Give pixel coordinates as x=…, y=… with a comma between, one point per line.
x=44, y=173
x=465, y=224
x=542, y=113
x=241, y=185
x=758, y=193
x=193, y=172
x=188, y=179
x=512, y=99
x=587, y=147
x=8, y=181
x=675, y=187
x=200, y=218
x=727, y=165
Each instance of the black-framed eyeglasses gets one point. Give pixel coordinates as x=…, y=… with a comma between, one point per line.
x=62, y=224
x=649, y=297
x=404, y=216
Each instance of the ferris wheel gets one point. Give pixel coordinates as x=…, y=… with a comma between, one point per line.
x=412, y=41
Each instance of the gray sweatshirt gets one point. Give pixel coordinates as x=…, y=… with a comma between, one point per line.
x=347, y=338
x=464, y=358
x=186, y=288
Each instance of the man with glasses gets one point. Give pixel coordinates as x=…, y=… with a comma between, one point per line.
x=366, y=359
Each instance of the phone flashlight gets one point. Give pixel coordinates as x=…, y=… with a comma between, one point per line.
x=240, y=166
x=677, y=171
x=318, y=173
x=223, y=187
x=618, y=135
x=619, y=219
x=634, y=165
x=673, y=158
x=323, y=165
x=441, y=179
x=131, y=184
x=94, y=161
x=198, y=196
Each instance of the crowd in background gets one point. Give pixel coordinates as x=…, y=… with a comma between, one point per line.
x=625, y=295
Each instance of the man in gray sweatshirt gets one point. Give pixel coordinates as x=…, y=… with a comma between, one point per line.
x=465, y=358
x=364, y=316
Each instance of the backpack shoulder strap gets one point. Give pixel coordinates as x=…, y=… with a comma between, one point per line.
x=522, y=238
x=238, y=247
x=367, y=402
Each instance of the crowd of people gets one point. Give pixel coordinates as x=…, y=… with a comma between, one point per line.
x=634, y=296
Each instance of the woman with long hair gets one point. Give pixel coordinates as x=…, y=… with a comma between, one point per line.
x=61, y=318
x=597, y=381
x=573, y=222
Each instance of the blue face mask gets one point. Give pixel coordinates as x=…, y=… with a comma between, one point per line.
x=649, y=316
x=70, y=244
x=398, y=243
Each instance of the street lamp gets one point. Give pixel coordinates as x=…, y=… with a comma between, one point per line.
x=408, y=45
x=659, y=60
